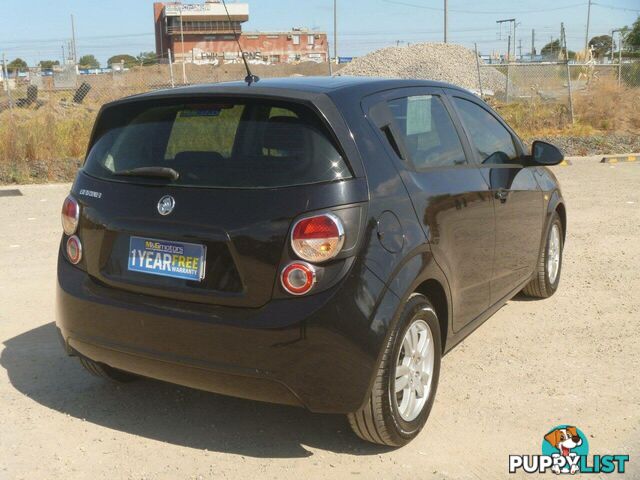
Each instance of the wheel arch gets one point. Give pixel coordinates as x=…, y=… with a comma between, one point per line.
x=435, y=293
x=562, y=213
x=421, y=274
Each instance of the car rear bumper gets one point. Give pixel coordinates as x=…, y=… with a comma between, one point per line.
x=318, y=352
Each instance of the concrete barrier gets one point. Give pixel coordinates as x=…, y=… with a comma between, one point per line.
x=627, y=157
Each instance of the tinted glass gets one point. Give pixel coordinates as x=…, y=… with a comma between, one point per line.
x=230, y=144
x=490, y=139
x=428, y=132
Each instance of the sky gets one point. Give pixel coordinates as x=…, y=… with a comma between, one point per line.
x=36, y=29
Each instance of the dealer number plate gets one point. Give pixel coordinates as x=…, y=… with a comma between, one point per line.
x=166, y=258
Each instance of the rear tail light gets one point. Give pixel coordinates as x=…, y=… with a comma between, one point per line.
x=317, y=239
x=70, y=215
x=298, y=278
x=74, y=249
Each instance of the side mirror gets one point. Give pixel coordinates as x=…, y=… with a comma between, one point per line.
x=544, y=154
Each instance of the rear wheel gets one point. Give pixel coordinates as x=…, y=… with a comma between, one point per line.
x=105, y=371
x=406, y=382
x=547, y=276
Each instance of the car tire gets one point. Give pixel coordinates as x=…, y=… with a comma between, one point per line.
x=105, y=371
x=549, y=265
x=386, y=417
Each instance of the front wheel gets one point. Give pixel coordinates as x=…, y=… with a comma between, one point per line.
x=547, y=275
x=405, y=385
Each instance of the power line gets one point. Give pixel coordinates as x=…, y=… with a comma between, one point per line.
x=612, y=7
x=485, y=12
x=90, y=37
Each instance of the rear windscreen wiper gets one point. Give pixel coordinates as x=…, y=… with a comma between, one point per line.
x=156, y=172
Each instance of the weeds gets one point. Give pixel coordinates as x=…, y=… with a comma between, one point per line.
x=48, y=143
x=602, y=110
x=44, y=144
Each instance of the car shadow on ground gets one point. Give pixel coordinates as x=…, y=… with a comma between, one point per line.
x=37, y=367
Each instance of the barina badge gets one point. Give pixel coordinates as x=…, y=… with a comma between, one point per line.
x=166, y=205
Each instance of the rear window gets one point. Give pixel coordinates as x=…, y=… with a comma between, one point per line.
x=215, y=143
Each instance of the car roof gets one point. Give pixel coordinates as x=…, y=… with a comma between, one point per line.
x=338, y=82
x=360, y=86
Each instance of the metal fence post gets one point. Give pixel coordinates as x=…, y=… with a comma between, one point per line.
x=478, y=67
x=5, y=73
x=620, y=62
x=173, y=84
x=570, y=93
x=506, y=91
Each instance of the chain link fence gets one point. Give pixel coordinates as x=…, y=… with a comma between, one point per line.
x=558, y=81
x=521, y=82
x=556, y=95
x=35, y=87
x=46, y=116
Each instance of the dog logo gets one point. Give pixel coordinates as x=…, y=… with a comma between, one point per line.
x=166, y=205
x=565, y=450
x=564, y=440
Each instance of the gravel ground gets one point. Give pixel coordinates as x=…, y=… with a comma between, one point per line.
x=533, y=365
x=594, y=144
x=430, y=61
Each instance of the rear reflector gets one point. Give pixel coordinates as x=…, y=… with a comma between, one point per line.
x=70, y=215
x=298, y=278
x=317, y=239
x=74, y=249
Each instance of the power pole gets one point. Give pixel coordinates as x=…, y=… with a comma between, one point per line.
x=586, y=35
x=514, y=37
x=446, y=22
x=512, y=22
x=335, y=30
x=73, y=41
x=520, y=48
x=533, y=43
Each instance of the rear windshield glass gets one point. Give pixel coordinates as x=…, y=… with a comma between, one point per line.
x=214, y=143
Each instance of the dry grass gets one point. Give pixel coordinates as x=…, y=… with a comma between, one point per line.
x=47, y=144
x=44, y=144
x=610, y=108
x=603, y=109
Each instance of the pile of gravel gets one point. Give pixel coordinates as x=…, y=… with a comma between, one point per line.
x=443, y=62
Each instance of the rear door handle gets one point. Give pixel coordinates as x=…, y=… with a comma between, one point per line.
x=502, y=195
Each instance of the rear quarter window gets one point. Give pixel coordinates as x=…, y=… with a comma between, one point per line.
x=216, y=143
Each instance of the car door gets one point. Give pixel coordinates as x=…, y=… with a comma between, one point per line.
x=517, y=196
x=450, y=196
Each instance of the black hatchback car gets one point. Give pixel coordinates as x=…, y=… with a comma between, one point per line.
x=318, y=242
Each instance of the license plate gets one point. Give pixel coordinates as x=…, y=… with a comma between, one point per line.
x=166, y=258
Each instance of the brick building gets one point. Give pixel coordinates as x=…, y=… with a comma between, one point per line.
x=202, y=33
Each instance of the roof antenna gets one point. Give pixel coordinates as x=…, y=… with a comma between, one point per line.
x=250, y=78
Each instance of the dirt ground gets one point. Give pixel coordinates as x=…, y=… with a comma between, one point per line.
x=573, y=358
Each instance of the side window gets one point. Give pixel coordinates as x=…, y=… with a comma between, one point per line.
x=492, y=142
x=428, y=132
